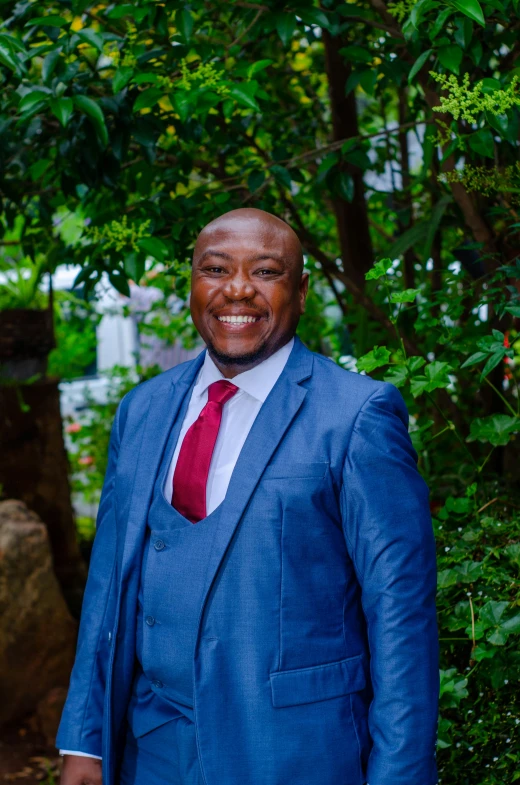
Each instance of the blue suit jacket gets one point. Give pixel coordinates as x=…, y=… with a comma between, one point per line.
x=316, y=658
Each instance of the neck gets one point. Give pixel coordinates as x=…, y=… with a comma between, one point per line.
x=230, y=366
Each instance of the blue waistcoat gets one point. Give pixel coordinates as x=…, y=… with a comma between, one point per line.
x=173, y=571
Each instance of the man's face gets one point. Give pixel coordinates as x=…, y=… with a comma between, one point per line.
x=247, y=291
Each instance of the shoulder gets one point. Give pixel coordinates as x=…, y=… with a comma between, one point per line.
x=355, y=392
x=140, y=395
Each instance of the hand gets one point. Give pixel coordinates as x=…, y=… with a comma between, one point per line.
x=78, y=770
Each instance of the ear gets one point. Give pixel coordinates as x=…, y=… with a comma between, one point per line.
x=304, y=288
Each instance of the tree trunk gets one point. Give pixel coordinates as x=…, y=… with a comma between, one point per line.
x=34, y=465
x=351, y=217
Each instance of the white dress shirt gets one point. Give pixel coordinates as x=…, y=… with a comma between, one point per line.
x=238, y=415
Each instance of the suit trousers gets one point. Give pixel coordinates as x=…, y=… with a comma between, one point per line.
x=166, y=755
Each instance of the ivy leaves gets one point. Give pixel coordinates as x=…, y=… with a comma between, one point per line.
x=492, y=349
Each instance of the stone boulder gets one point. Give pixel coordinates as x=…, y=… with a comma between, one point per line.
x=37, y=632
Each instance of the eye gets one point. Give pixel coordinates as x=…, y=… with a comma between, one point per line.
x=267, y=270
x=214, y=268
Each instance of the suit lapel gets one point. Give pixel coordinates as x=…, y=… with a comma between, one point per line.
x=274, y=418
x=147, y=451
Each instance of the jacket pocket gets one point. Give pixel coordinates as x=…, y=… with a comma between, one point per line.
x=320, y=682
x=281, y=470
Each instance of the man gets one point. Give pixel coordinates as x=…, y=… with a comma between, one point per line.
x=260, y=602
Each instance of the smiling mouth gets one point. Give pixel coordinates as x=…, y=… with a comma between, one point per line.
x=238, y=319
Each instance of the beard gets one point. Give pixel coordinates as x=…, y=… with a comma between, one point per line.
x=250, y=358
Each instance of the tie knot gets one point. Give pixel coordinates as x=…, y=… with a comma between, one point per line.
x=222, y=391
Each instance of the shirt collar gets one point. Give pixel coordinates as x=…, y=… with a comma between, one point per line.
x=257, y=382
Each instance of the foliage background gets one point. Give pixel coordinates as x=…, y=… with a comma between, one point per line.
x=387, y=136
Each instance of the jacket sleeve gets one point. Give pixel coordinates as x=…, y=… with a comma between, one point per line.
x=82, y=717
x=388, y=531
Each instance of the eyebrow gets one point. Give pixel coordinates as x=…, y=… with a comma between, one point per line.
x=258, y=258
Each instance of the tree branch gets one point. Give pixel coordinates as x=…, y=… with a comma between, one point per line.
x=330, y=267
x=380, y=7
x=372, y=22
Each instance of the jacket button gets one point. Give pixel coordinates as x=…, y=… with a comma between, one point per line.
x=159, y=545
x=157, y=683
x=150, y=621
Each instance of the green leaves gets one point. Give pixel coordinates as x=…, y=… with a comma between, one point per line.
x=282, y=175
x=95, y=113
x=452, y=688
x=406, y=296
x=374, y=359
x=121, y=78
x=314, y=16
x=185, y=23
x=421, y=60
x=436, y=376
x=255, y=180
x=344, y=186
x=48, y=21
x=285, y=24
x=147, y=98
x=154, y=247
x=481, y=142
x=255, y=68
x=12, y=54
x=493, y=626
x=244, y=94
x=62, y=108
x=378, y=270
x=491, y=347
x=89, y=36
x=472, y=9
x=497, y=429
x=450, y=57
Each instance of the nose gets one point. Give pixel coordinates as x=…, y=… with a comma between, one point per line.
x=239, y=287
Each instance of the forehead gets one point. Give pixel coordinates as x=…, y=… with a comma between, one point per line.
x=252, y=237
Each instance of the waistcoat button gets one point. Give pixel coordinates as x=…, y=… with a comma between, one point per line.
x=150, y=621
x=158, y=545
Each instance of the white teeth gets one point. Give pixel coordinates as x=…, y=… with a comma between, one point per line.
x=237, y=319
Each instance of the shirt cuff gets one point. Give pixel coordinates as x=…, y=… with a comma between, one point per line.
x=80, y=754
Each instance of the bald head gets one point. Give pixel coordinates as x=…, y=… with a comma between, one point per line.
x=264, y=229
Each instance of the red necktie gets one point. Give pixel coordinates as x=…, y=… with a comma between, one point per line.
x=192, y=469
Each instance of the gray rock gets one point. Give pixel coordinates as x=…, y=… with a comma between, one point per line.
x=37, y=632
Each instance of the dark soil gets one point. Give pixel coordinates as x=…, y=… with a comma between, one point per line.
x=26, y=758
